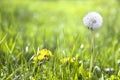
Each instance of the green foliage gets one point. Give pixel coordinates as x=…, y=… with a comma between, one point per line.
x=57, y=25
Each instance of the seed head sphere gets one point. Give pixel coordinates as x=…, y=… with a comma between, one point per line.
x=93, y=20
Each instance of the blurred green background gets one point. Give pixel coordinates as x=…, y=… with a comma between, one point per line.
x=57, y=25
x=32, y=19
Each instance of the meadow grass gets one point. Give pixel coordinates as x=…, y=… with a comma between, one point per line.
x=58, y=27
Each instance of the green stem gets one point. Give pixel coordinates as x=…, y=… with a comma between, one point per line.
x=92, y=50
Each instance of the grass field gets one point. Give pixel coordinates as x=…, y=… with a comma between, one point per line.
x=30, y=26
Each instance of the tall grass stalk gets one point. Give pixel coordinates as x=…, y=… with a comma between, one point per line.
x=92, y=50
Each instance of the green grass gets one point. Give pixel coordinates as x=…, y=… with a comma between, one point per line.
x=57, y=26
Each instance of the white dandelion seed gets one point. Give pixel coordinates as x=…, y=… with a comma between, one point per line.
x=93, y=20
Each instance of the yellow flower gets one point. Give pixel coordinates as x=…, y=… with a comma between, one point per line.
x=66, y=60
x=43, y=54
x=71, y=60
x=40, y=57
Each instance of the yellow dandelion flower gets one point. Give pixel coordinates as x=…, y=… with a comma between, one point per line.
x=43, y=54
x=66, y=60
x=46, y=58
x=46, y=53
x=40, y=57
x=71, y=60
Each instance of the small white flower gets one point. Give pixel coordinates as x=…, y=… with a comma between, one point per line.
x=93, y=20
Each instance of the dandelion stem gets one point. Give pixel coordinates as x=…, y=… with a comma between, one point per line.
x=92, y=50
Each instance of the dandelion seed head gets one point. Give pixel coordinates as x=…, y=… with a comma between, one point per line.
x=93, y=20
